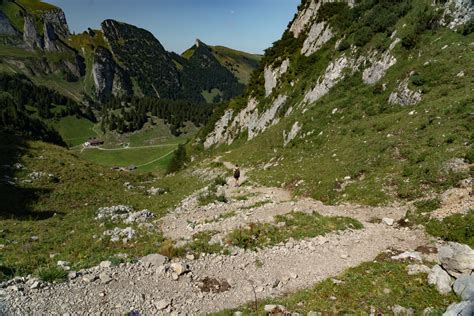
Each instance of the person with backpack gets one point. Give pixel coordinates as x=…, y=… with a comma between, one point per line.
x=237, y=175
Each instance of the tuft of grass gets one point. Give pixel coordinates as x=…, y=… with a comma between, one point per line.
x=427, y=205
x=52, y=274
x=375, y=285
x=296, y=225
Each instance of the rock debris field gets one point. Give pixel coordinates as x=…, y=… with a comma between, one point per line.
x=156, y=285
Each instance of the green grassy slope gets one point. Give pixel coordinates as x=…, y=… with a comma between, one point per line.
x=52, y=218
x=241, y=64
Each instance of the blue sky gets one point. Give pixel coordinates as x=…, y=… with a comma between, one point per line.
x=248, y=25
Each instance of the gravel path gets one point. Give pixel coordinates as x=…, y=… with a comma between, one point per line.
x=137, y=287
x=160, y=289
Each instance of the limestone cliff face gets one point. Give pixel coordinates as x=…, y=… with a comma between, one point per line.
x=30, y=34
x=109, y=78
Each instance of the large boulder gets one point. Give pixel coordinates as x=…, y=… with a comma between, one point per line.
x=456, y=258
x=465, y=308
x=441, y=279
x=464, y=287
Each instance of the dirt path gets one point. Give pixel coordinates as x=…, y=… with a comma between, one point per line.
x=270, y=272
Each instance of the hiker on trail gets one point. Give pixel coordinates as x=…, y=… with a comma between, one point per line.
x=237, y=175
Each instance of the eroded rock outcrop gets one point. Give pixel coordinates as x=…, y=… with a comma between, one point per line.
x=403, y=95
x=457, y=13
x=319, y=34
x=272, y=74
x=109, y=78
x=30, y=34
x=335, y=72
x=379, y=67
x=6, y=27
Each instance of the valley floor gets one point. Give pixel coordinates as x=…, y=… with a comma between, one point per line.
x=215, y=282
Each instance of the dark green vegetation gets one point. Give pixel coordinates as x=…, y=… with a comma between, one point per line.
x=362, y=288
x=296, y=225
x=25, y=108
x=212, y=195
x=458, y=228
x=54, y=215
x=130, y=114
x=390, y=152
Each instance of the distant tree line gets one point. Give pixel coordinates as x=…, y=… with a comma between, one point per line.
x=39, y=99
x=130, y=114
x=14, y=119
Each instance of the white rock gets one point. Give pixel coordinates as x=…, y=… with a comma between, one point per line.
x=178, y=268
x=89, y=278
x=407, y=255
x=388, y=221
x=162, y=304
x=105, y=264
x=413, y=269
x=105, y=278
x=465, y=308
x=400, y=310
x=441, y=279
x=464, y=287
x=273, y=308
x=456, y=258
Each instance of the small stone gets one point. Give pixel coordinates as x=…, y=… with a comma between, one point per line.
x=387, y=291
x=174, y=276
x=178, y=268
x=274, y=309
x=333, y=298
x=105, y=278
x=413, y=269
x=190, y=257
x=388, y=221
x=400, y=310
x=105, y=264
x=162, y=304
x=407, y=255
x=344, y=256
x=259, y=289
x=89, y=278
x=293, y=275
x=72, y=275
x=275, y=283
x=238, y=314
x=35, y=285
x=13, y=288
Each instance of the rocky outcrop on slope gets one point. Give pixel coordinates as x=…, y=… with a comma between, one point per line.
x=319, y=34
x=30, y=34
x=272, y=74
x=404, y=95
x=305, y=15
x=379, y=67
x=57, y=19
x=109, y=78
x=6, y=27
x=459, y=13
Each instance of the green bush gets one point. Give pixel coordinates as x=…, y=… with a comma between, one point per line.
x=363, y=36
x=468, y=28
x=417, y=80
